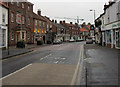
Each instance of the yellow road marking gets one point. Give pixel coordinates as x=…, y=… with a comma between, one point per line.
x=77, y=68
x=19, y=55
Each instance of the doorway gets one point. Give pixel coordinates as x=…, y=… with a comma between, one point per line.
x=117, y=39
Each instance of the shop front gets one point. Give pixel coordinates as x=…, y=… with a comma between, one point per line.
x=117, y=39
x=3, y=36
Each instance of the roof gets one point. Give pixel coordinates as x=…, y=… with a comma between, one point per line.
x=69, y=25
x=3, y=4
x=85, y=28
x=47, y=19
x=35, y=16
x=107, y=6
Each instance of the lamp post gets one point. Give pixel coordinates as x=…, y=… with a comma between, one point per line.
x=94, y=13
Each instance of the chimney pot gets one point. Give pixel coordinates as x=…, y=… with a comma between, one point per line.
x=39, y=12
x=60, y=22
x=63, y=21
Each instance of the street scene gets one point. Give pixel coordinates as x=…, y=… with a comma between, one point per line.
x=52, y=44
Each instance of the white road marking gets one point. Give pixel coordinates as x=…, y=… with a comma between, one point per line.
x=45, y=57
x=15, y=72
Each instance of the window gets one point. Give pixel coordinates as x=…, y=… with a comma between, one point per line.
x=12, y=17
x=35, y=22
x=12, y=35
x=3, y=18
x=40, y=23
x=28, y=8
x=12, y=2
x=23, y=36
x=23, y=20
x=22, y=5
x=18, y=4
x=43, y=24
x=28, y=21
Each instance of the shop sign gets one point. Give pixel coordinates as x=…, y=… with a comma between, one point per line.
x=115, y=25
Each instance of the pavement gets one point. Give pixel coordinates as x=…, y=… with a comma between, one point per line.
x=101, y=65
x=13, y=51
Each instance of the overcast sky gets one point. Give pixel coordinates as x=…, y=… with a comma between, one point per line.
x=70, y=8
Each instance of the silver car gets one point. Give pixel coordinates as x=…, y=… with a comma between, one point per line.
x=89, y=41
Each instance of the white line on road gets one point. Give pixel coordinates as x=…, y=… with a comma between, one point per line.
x=45, y=57
x=15, y=72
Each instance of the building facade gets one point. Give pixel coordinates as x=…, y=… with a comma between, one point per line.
x=74, y=30
x=3, y=25
x=21, y=22
x=112, y=24
x=39, y=27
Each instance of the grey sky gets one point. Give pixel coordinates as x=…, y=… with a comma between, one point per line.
x=70, y=8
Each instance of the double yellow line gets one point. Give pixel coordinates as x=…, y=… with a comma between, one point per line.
x=78, y=67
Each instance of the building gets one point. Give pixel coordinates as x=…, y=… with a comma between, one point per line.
x=3, y=25
x=112, y=24
x=20, y=22
x=60, y=30
x=51, y=30
x=74, y=30
x=39, y=24
x=84, y=32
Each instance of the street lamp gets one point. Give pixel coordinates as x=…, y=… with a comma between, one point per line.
x=94, y=13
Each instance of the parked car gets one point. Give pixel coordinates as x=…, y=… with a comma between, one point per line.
x=89, y=41
x=93, y=39
x=57, y=41
x=79, y=40
x=72, y=40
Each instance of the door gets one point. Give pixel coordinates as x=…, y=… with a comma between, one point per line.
x=18, y=36
x=3, y=37
x=117, y=39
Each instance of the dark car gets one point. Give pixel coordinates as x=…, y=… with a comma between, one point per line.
x=89, y=41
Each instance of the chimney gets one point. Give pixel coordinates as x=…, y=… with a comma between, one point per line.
x=63, y=21
x=55, y=21
x=76, y=24
x=70, y=22
x=39, y=12
x=105, y=6
x=110, y=1
x=60, y=22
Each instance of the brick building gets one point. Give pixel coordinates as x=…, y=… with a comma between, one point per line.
x=21, y=22
x=40, y=26
x=74, y=30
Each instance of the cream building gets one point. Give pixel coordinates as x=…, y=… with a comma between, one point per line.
x=3, y=25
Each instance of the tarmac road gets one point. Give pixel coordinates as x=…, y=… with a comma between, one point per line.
x=49, y=65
